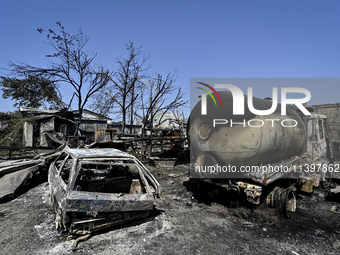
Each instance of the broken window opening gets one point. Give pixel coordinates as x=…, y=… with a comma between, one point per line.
x=310, y=130
x=321, y=129
x=109, y=177
x=65, y=172
x=63, y=166
x=60, y=161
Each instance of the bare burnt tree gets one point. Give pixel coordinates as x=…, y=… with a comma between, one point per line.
x=122, y=93
x=179, y=119
x=70, y=65
x=103, y=102
x=159, y=97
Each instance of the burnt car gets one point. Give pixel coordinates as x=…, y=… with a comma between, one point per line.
x=92, y=189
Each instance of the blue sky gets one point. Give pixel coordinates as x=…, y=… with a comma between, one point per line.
x=239, y=39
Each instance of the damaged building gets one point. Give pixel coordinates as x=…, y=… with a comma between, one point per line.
x=50, y=128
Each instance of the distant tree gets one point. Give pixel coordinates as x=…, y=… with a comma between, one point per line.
x=32, y=92
x=159, y=97
x=11, y=129
x=122, y=93
x=70, y=64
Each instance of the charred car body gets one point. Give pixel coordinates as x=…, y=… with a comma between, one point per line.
x=92, y=189
x=247, y=144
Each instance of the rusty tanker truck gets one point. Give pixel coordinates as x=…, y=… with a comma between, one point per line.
x=262, y=157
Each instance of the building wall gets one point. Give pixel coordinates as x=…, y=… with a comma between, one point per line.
x=28, y=134
x=46, y=125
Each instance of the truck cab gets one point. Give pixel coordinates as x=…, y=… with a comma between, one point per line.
x=318, y=145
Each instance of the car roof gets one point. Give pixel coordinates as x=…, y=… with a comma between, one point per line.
x=95, y=153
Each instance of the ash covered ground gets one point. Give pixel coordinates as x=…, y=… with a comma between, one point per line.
x=184, y=222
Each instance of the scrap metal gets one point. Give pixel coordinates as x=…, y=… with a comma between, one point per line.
x=92, y=189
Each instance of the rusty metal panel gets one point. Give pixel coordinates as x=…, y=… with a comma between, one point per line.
x=92, y=125
x=164, y=162
x=9, y=183
x=105, y=135
x=16, y=165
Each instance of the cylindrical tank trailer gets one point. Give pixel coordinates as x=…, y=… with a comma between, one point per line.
x=248, y=139
x=218, y=137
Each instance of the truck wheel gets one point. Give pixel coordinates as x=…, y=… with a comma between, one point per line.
x=283, y=199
